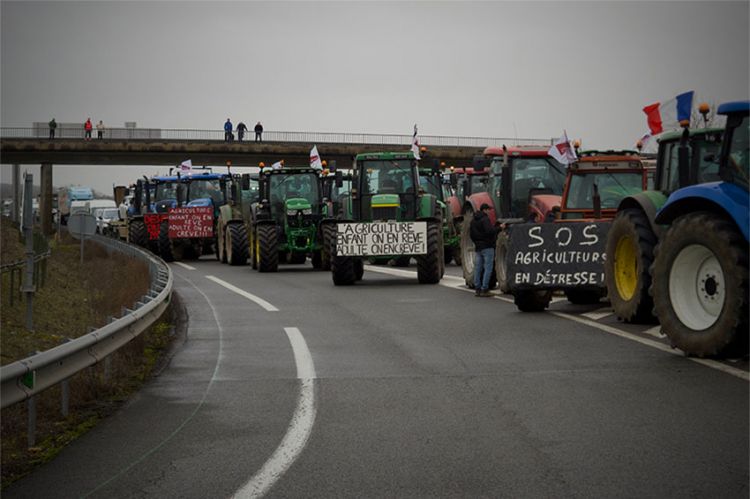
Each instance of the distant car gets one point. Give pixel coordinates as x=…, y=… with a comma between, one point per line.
x=104, y=217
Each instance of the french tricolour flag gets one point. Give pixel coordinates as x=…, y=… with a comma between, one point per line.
x=668, y=115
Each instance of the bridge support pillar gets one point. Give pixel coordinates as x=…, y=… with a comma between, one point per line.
x=45, y=201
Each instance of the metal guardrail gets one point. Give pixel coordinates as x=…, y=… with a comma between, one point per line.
x=150, y=134
x=24, y=378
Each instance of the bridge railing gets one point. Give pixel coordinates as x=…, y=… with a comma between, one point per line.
x=172, y=134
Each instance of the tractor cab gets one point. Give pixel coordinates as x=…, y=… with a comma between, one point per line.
x=599, y=181
x=163, y=193
x=700, y=159
x=206, y=189
x=293, y=194
x=385, y=187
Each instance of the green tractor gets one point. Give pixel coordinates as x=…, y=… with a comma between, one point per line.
x=284, y=222
x=434, y=181
x=232, y=225
x=387, y=214
x=634, y=232
x=335, y=184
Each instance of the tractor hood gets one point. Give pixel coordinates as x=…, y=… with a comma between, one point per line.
x=381, y=200
x=294, y=204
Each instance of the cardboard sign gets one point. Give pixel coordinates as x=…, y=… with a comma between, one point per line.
x=189, y=222
x=381, y=238
x=557, y=255
x=153, y=224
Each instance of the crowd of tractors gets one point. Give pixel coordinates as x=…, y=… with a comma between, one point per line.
x=664, y=240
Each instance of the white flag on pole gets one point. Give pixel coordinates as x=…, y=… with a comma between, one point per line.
x=278, y=165
x=186, y=165
x=415, y=143
x=563, y=151
x=315, y=159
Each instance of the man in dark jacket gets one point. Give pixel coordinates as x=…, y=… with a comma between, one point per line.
x=483, y=233
x=258, y=132
x=241, y=129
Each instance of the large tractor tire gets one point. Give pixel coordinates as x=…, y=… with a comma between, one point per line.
x=532, y=300
x=359, y=269
x=221, y=246
x=167, y=249
x=138, y=234
x=501, y=264
x=267, y=248
x=630, y=253
x=237, y=245
x=253, y=248
x=343, y=269
x=700, y=286
x=467, y=250
x=430, y=265
x=328, y=232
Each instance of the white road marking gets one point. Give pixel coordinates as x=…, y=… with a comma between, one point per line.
x=601, y=313
x=184, y=265
x=260, y=301
x=299, y=429
x=739, y=373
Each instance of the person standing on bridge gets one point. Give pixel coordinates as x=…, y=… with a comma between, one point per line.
x=87, y=127
x=52, y=128
x=483, y=234
x=227, y=131
x=241, y=129
x=258, y=132
x=100, y=130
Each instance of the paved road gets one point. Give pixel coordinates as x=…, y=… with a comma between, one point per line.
x=289, y=386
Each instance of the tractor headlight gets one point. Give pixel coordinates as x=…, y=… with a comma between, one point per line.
x=307, y=211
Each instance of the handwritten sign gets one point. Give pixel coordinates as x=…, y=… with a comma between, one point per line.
x=153, y=224
x=556, y=255
x=381, y=238
x=193, y=221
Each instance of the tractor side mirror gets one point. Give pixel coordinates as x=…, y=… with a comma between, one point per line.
x=435, y=165
x=454, y=180
x=137, y=195
x=245, y=180
x=683, y=159
x=339, y=179
x=597, y=202
x=180, y=194
x=223, y=184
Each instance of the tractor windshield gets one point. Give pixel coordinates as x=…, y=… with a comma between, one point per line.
x=387, y=177
x=336, y=192
x=613, y=188
x=298, y=185
x=166, y=190
x=738, y=160
x=534, y=173
x=699, y=150
x=431, y=184
x=205, y=188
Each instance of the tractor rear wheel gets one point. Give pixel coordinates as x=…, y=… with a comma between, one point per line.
x=342, y=267
x=328, y=232
x=532, y=300
x=138, y=234
x=467, y=250
x=166, y=247
x=221, y=246
x=359, y=269
x=430, y=265
x=253, y=248
x=630, y=253
x=236, y=244
x=267, y=247
x=501, y=265
x=700, y=286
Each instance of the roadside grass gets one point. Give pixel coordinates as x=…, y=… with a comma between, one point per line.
x=75, y=298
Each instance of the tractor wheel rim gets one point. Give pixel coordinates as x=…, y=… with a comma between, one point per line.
x=626, y=267
x=468, y=257
x=697, y=289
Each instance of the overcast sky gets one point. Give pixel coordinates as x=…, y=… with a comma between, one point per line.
x=492, y=69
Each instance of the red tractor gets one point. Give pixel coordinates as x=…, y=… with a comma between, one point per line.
x=522, y=185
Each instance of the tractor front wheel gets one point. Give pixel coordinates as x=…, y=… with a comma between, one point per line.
x=501, y=265
x=532, y=300
x=700, y=286
x=267, y=247
x=430, y=265
x=138, y=234
x=630, y=253
x=221, y=245
x=236, y=244
x=328, y=232
x=467, y=250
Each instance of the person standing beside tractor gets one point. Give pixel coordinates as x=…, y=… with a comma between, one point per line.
x=483, y=234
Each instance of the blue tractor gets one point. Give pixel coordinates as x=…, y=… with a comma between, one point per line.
x=700, y=269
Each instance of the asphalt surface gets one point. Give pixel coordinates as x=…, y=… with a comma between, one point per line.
x=419, y=391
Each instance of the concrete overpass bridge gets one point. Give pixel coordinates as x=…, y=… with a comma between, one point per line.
x=169, y=147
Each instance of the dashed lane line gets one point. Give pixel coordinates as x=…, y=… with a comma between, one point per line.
x=452, y=283
x=260, y=301
x=184, y=265
x=300, y=427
